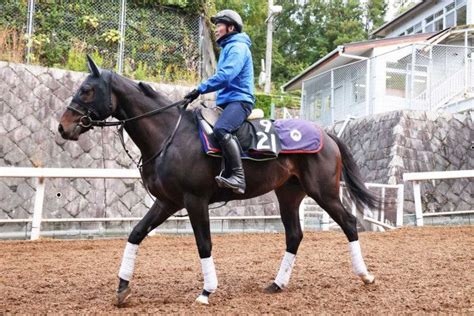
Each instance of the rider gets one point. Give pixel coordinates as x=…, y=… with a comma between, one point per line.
x=234, y=81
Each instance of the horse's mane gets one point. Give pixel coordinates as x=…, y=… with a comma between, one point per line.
x=159, y=98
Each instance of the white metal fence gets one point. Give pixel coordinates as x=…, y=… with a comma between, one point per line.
x=383, y=218
x=417, y=77
x=418, y=177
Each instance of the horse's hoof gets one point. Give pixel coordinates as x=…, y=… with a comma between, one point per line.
x=202, y=299
x=368, y=278
x=123, y=296
x=272, y=289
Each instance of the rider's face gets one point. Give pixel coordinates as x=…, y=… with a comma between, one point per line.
x=222, y=29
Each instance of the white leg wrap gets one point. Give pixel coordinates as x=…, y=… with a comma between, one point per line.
x=209, y=272
x=358, y=265
x=283, y=277
x=128, y=262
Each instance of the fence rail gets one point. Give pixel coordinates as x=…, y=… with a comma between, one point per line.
x=41, y=174
x=418, y=177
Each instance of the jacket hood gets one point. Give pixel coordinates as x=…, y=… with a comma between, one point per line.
x=237, y=37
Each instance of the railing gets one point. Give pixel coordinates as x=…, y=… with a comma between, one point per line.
x=376, y=217
x=42, y=173
x=417, y=177
x=448, y=89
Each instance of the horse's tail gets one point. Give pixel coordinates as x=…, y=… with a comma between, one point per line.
x=353, y=179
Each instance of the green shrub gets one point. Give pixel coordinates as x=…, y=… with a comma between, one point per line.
x=263, y=102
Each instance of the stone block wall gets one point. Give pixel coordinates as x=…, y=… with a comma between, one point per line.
x=32, y=100
x=389, y=144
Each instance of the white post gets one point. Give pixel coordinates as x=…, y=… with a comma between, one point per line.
x=367, y=89
x=400, y=201
x=29, y=29
x=301, y=214
x=412, y=81
x=302, y=102
x=382, y=208
x=122, y=36
x=38, y=210
x=268, y=54
x=466, y=62
x=325, y=221
x=332, y=97
x=418, y=208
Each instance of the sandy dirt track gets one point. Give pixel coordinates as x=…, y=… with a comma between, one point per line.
x=424, y=270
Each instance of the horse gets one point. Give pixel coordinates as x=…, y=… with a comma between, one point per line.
x=177, y=172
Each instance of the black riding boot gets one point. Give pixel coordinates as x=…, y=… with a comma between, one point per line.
x=231, y=152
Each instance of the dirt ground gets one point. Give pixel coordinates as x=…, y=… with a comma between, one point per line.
x=426, y=270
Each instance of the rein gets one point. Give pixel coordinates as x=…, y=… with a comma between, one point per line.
x=86, y=121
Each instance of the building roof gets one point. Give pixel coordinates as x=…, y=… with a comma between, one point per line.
x=407, y=15
x=335, y=59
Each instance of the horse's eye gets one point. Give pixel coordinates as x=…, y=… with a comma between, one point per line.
x=86, y=89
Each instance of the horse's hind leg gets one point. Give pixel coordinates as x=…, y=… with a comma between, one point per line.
x=322, y=184
x=325, y=191
x=289, y=197
x=158, y=213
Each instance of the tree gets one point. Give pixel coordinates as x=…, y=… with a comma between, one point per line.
x=305, y=31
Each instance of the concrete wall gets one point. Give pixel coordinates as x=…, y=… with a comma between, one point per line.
x=32, y=100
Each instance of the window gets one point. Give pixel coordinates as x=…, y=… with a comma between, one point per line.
x=449, y=7
x=429, y=28
x=461, y=16
x=410, y=30
x=438, y=14
x=429, y=19
x=438, y=25
x=395, y=84
x=395, y=80
x=358, y=92
x=417, y=28
x=450, y=19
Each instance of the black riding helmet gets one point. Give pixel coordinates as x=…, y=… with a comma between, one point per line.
x=228, y=17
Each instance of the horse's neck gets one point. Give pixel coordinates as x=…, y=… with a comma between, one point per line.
x=148, y=133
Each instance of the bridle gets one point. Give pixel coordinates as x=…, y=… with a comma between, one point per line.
x=87, y=121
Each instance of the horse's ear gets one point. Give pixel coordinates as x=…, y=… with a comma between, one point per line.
x=93, y=67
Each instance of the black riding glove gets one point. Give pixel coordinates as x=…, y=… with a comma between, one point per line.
x=191, y=96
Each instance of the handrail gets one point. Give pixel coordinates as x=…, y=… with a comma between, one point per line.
x=417, y=177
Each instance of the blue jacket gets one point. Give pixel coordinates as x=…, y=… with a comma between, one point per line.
x=234, y=75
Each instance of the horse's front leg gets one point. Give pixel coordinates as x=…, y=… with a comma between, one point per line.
x=158, y=213
x=198, y=210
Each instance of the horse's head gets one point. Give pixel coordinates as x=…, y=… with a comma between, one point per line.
x=93, y=100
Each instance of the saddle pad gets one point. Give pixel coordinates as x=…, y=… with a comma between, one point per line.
x=296, y=137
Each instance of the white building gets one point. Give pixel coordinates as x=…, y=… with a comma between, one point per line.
x=430, y=67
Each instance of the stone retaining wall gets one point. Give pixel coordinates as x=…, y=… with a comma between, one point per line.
x=389, y=144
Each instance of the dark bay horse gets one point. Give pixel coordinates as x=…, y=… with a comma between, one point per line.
x=182, y=176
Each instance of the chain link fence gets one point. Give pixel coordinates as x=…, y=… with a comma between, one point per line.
x=417, y=77
x=144, y=41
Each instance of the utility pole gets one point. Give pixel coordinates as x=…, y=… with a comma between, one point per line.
x=272, y=11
